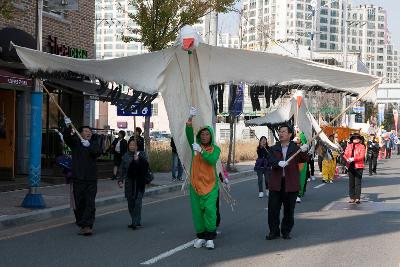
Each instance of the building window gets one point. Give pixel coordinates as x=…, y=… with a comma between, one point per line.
x=334, y=13
x=334, y=38
x=333, y=46
x=108, y=46
x=323, y=28
x=51, y=11
x=334, y=22
x=323, y=20
x=324, y=11
x=322, y=45
x=333, y=30
x=323, y=37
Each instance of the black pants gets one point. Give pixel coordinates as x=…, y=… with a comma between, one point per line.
x=135, y=208
x=355, y=176
x=311, y=166
x=372, y=162
x=85, y=209
x=275, y=201
x=320, y=159
x=266, y=173
x=388, y=152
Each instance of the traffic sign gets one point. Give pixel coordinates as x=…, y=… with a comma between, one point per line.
x=145, y=111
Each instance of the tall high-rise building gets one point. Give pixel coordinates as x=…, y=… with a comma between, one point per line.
x=265, y=21
x=110, y=25
x=289, y=20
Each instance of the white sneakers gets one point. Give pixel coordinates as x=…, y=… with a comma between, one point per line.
x=210, y=244
x=198, y=243
x=298, y=200
x=261, y=194
x=331, y=182
x=313, y=178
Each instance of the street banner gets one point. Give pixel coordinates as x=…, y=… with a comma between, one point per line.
x=133, y=111
x=396, y=118
x=237, y=107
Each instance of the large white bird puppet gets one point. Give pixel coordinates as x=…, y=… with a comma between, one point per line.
x=183, y=84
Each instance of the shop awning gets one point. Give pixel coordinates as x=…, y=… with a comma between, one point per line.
x=9, y=79
x=86, y=88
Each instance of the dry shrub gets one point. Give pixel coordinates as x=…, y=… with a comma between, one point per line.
x=160, y=158
x=245, y=151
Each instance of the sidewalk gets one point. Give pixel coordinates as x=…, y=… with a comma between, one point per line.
x=57, y=197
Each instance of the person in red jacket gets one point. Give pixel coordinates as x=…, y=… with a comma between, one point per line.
x=355, y=157
x=284, y=183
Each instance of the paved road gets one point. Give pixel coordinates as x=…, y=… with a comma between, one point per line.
x=328, y=232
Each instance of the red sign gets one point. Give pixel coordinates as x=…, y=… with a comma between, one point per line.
x=14, y=79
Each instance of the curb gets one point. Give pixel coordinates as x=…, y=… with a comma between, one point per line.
x=10, y=221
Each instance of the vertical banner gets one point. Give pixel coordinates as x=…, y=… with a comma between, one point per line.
x=381, y=113
x=396, y=118
x=237, y=99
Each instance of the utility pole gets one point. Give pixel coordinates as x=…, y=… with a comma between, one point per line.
x=33, y=198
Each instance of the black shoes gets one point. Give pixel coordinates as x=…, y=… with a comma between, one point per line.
x=272, y=237
x=134, y=227
x=286, y=236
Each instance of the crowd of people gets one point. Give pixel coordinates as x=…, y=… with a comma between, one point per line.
x=283, y=171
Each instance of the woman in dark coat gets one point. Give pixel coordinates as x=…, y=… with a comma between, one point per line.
x=133, y=170
x=262, y=167
x=118, y=147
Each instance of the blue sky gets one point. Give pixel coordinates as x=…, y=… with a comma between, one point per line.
x=229, y=22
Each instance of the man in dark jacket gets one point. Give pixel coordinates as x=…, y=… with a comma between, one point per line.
x=84, y=175
x=284, y=183
x=372, y=154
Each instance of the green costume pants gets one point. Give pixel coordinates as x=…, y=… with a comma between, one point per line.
x=204, y=212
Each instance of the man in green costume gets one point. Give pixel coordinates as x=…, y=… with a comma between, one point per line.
x=203, y=182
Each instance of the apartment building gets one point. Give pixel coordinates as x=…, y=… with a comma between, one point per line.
x=292, y=21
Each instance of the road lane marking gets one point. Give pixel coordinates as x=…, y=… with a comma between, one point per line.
x=69, y=221
x=319, y=186
x=168, y=253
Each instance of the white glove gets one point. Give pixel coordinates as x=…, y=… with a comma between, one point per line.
x=197, y=147
x=304, y=148
x=85, y=143
x=192, y=112
x=350, y=160
x=67, y=121
x=282, y=164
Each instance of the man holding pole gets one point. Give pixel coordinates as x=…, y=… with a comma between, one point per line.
x=284, y=182
x=84, y=153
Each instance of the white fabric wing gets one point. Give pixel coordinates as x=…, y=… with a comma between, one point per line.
x=140, y=72
x=235, y=65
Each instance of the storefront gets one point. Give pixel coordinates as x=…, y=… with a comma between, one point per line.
x=12, y=88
